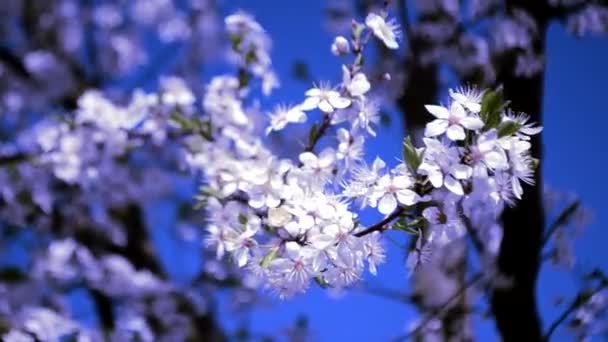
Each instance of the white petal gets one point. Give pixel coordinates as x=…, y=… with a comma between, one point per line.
x=296, y=115
x=456, y=132
x=457, y=111
x=531, y=130
x=326, y=158
x=461, y=171
x=435, y=127
x=436, y=178
x=453, y=185
x=325, y=106
x=339, y=102
x=308, y=159
x=472, y=123
x=402, y=182
x=241, y=255
x=321, y=241
x=359, y=85
x=310, y=103
x=496, y=160
x=374, y=21
x=313, y=92
x=473, y=106
x=387, y=204
x=438, y=111
x=306, y=221
x=293, y=228
x=407, y=197
x=345, y=75
x=517, y=189
x=431, y=214
x=272, y=201
x=256, y=202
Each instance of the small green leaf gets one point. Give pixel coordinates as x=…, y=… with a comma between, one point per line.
x=312, y=135
x=492, y=105
x=250, y=57
x=534, y=163
x=268, y=258
x=411, y=227
x=236, y=40
x=243, y=219
x=320, y=280
x=244, y=78
x=508, y=128
x=411, y=156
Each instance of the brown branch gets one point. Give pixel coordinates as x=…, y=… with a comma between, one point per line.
x=14, y=158
x=438, y=310
x=562, y=219
x=576, y=303
x=382, y=224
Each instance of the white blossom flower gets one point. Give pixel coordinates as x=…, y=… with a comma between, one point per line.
x=340, y=46
x=283, y=115
x=442, y=166
x=350, y=148
x=486, y=153
x=373, y=251
x=391, y=190
x=386, y=31
x=469, y=98
x=521, y=165
x=356, y=85
x=324, y=98
x=175, y=92
x=320, y=167
x=452, y=121
x=367, y=114
x=445, y=224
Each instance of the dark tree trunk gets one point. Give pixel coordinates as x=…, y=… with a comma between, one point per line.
x=515, y=308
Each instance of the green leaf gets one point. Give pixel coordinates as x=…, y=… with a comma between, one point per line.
x=508, y=128
x=268, y=258
x=312, y=135
x=411, y=156
x=235, y=41
x=244, y=78
x=243, y=219
x=411, y=227
x=320, y=280
x=492, y=105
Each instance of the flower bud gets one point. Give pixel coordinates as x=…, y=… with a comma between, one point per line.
x=340, y=46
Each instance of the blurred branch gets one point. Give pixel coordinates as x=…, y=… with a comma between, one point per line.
x=14, y=62
x=382, y=224
x=438, y=310
x=576, y=303
x=13, y=158
x=562, y=219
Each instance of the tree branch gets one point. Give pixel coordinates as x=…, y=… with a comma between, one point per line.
x=576, y=303
x=562, y=219
x=437, y=311
x=382, y=224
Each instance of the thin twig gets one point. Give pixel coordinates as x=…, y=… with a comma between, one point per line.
x=435, y=312
x=13, y=158
x=576, y=303
x=562, y=219
x=382, y=224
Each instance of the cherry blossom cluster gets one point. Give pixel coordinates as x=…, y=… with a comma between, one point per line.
x=292, y=222
x=286, y=222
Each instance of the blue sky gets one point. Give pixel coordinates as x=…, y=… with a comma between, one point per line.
x=575, y=121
